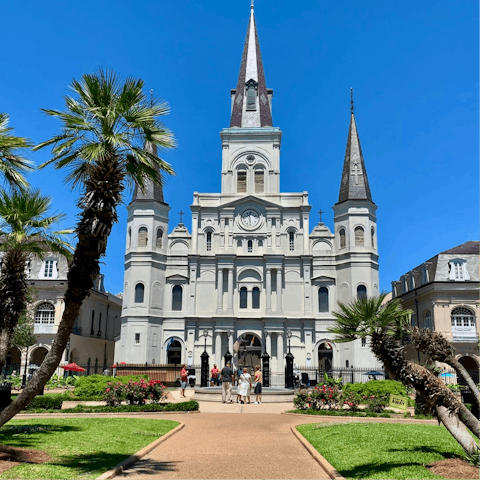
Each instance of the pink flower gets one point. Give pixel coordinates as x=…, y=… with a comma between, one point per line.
x=330, y=396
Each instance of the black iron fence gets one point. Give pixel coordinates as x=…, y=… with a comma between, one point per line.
x=310, y=376
x=169, y=374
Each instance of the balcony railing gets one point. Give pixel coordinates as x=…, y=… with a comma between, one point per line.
x=43, y=328
x=458, y=337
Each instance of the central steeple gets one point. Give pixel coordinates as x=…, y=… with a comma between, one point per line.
x=251, y=99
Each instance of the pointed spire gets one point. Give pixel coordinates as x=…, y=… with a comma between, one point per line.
x=255, y=113
x=354, y=184
x=151, y=191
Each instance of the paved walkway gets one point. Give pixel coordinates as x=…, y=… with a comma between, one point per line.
x=230, y=446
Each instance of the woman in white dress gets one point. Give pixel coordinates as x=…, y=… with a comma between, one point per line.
x=244, y=384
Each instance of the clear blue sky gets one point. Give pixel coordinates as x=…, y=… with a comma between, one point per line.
x=413, y=66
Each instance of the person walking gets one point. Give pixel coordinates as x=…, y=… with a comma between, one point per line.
x=258, y=385
x=227, y=379
x=183, y=380
x=214, y=380
x=244, y=382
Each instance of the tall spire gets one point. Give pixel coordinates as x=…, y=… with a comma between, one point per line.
x=151, y=190
x=251, y=105
x=354, y=184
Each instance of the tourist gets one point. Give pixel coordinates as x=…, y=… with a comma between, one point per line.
x=244, y=384
x=214, y=379
x=227, y=380
x=183, y=380
x=258, y=385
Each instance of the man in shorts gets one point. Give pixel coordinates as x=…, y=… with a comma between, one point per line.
x=214, y=379
x=227, y=379
x=183, y=380
x=258, y=384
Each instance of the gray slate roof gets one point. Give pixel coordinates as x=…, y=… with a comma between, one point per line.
x=471, y=247
x=151, y=190
x=251, y=67
x=354, y=185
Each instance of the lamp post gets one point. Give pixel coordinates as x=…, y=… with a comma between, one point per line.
x=228, y=356
x=204, y=357
x=265, y=363
x=289, y=367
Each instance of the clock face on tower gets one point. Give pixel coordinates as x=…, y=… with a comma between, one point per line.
x=250, y=218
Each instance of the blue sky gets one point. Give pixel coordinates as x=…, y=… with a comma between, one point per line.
x=413, y=66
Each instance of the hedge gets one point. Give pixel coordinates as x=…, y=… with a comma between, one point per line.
x=46, y=402
x=340, y=413
x=190, y=406
x=92, y=387
x=377, y=388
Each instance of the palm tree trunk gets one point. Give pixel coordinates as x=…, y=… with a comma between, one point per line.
x=431, y=388
x=102, y=196
x=462, y=371
x=13, y=297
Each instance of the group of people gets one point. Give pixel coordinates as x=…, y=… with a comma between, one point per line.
x=227, y=376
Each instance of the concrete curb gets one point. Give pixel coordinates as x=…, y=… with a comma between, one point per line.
x=106, y=414
x=326, y=466
x=368, y=419
x=137, y=456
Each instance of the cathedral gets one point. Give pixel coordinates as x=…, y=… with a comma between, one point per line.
x=252, y=268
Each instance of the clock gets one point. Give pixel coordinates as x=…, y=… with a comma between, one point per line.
x=250, y=218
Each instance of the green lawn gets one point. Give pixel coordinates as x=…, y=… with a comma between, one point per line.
x=381, y=450
x=80, y=448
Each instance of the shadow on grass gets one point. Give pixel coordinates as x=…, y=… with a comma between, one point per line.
x=426, y=449
x=101, y=460
x=28, y=435
x=380, y=469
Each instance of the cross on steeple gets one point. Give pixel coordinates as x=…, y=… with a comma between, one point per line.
x=181, y=213
x=320, y=214
x=352, y=106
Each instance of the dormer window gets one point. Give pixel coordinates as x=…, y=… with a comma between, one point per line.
x=251, y=95
x=49, y=269
x=458, y=270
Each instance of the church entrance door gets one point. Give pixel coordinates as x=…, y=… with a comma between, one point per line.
x=325, y=357
x=174, y=352
x=249, y=351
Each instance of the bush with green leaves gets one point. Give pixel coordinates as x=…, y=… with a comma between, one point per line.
x=47, y=402
x=377, y=388
x=92, y=387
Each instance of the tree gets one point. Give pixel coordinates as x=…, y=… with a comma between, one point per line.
x=439, y=349
x=24, y=332
x=109, y=140
x=25, y=231
x=385, y=324
x=13, y=165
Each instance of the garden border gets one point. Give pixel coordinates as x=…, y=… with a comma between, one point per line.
x=322, y=461
x=422, y=421
x=113, y=472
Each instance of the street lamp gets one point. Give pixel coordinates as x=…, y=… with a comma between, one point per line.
x=228, y=355
x=289, y=366
x=289, y=336
x=204, y=358
x=205, y=334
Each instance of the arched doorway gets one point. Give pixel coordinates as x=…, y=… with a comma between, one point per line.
x=249, y=351
x=13, y=361
x=38, y=355
x=472, y=368
x=325, y=356
x=174, y=352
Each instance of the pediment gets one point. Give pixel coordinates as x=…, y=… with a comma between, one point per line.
x=250, y=199
x=176, y=276
x=323, y=278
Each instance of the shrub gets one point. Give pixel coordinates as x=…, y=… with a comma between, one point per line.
x=325, y=397
x=351, y=400
x=47, y=402
x=375, y=404
x=114, y=393
x=301, y=400
x=378, y=388
x=190, y=406
x=137, y=392
x=455, y=388
x=92, y=387
x=156, y=391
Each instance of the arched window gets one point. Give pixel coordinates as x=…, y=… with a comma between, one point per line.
x=343, y=242
x=129, y=237
x=291, y=241
x=177, y=293
x=323, y=299
x=362, y=291
x=139, y=292
x=259, y=181
x=243, y=297
x=427, y=320
x=250, y=246
x=364, y=342
x=209, y=241
x=159, y=238
x=45, y=313
x=463, y=317
x=346, y=363
x=359, y=237
x=372, y=231
x=142, y=237
x=241, y=181
x=256, y=297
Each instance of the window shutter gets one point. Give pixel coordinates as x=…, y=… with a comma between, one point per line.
x=259, y=181
x=241, y=181
x=142, y=237
x=251, y=98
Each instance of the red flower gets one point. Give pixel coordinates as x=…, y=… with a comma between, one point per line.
x=330, y=396
x=108, y=390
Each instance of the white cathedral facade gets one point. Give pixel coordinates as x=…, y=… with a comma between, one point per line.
x=253, y=264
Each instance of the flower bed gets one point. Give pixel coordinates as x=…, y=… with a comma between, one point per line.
x=136, y=392
x=341, y=413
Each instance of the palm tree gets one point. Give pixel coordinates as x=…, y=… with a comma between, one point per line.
x=439, y=349
x=385, y=324
x=12, y=164
x=109, y=140
x=25, y=231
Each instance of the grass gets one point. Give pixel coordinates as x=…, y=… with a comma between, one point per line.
x=380, y=450
x=80, y=448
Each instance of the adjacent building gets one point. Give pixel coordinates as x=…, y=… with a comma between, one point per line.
x=92, y=340
x=443, y=294
x=252, y=266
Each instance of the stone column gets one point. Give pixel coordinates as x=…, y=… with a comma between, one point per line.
x=230, y=343
x=268, y=344
x=230, y=292
x=219, y=290
x=194, y=234
x=249, y=299
x=280, y=361
x=279, y=290
x=222, y=234
x=218, y=349
x=269, y=291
